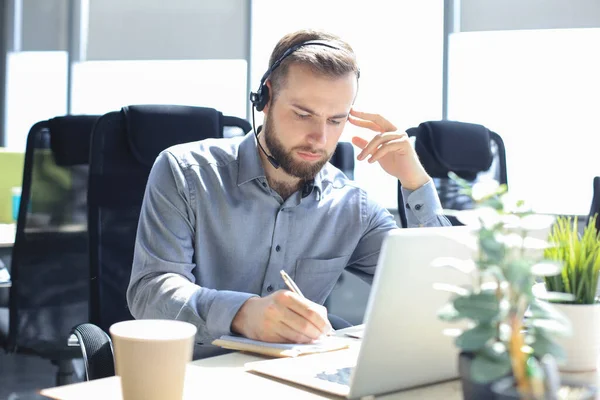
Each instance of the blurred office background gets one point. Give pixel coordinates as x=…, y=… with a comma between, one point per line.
x=526, y=69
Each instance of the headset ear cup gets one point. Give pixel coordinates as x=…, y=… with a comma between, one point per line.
x=263, y=98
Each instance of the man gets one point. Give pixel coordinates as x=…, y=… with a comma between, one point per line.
x=222, y=217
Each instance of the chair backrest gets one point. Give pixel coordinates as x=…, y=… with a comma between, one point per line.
x=343, y=158
x=50, y=261
x=124, y=147
x=471, y=151
x=595, y=208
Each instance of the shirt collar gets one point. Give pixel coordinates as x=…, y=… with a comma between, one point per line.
x=250, y=166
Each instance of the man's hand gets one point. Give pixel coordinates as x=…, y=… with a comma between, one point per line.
x=282, y=317
x=391, y=148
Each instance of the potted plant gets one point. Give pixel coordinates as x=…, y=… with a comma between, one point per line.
x=580, y=255
x=504, y=354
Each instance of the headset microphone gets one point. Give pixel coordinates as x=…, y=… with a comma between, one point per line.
x=271, y=159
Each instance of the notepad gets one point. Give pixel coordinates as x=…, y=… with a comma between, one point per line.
x=280, y=349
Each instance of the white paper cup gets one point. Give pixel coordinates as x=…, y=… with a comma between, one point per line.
x=151, y=357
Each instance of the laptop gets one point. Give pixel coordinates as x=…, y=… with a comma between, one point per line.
x=403, y=344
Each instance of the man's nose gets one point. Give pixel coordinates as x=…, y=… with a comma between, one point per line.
x=318, y=133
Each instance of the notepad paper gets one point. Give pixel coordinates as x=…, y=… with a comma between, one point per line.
x=280, y=349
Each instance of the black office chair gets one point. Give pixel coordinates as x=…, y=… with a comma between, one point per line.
x=343, y=158
x=50, y=261
x=123, y=149
x=471, y=151
x=595, y=208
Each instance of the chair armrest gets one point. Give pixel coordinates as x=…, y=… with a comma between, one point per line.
x=96, y=350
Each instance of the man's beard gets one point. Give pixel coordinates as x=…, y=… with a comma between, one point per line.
x=303, y=170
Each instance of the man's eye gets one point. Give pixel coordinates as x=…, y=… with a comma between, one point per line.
x=302, y=116
x=335, y=121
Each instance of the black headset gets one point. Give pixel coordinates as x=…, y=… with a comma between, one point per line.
x=260, y=98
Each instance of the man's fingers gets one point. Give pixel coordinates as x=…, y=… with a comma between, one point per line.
x=291, y=335
x=310, y=311
x=386, y=125
x=300, y=325
x=387, y=148
x=378, y=141
x=359, y=142
x=365, y=124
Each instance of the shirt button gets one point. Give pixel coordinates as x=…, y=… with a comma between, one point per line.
x=278, y=248
x=264, y=184
x=418, y=207
x=270, y=288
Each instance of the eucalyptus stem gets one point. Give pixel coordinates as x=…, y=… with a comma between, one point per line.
x=516, y=344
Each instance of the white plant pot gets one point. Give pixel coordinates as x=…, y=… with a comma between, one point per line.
x=583, y=346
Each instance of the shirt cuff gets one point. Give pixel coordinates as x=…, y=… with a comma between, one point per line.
x=422, y=205
x=225, y=306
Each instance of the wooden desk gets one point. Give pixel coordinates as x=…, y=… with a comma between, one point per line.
x=225, y=377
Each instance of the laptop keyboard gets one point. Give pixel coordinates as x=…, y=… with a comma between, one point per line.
x=341, y=376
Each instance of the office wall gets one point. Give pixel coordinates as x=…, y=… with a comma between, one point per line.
x=489, y=15
x=44, y=25
x=174, y=29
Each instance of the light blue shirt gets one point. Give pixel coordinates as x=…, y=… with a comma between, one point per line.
x=212, y=234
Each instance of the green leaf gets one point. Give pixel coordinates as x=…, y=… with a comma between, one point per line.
x=517, y=271
x=481, y=307
x=486, y=368
x=463, y=183
x=449, y=314
x=493, y=202
x=543, y=345
x=491, y=247
x=476, y=338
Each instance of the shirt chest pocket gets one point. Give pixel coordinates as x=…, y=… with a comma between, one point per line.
x=317, y=277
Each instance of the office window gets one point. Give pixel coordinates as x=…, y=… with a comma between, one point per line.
x=540, y=91
x=103, y=86
x=399, y=48
x=36, y=89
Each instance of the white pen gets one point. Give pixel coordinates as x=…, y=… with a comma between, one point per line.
x=291, y=284
x=294, y=288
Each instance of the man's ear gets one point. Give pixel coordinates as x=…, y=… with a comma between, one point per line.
x=270, y=92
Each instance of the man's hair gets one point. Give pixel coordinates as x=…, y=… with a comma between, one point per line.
x=321, y=60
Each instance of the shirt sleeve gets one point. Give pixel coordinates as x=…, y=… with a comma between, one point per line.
x=162, y=284
x=423, y=207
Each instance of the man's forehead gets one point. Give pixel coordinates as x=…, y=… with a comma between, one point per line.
x=340, y=113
